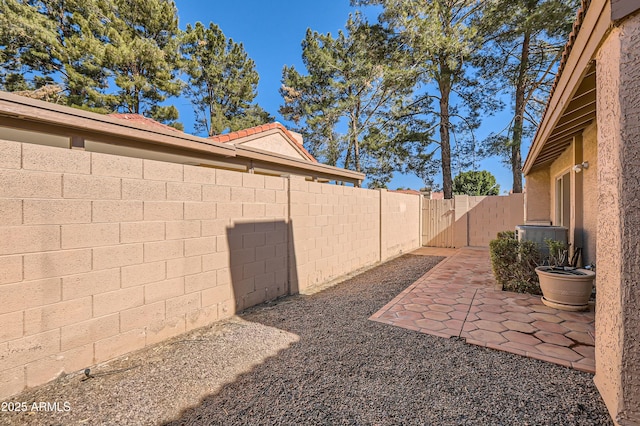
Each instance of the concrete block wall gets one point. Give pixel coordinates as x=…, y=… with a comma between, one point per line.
x=470, y=220
x=101, y=255
x=401, y=219
x=336, y=230
x=489, y=215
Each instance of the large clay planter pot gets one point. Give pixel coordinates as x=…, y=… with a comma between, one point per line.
x=566, y=290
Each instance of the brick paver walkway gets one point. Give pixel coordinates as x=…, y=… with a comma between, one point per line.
x=457, y=298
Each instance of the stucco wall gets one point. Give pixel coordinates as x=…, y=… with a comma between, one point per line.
x=540, y=202
x=101, y=255
x=275, y=143
x=590, y=194
x=537, y=200
x=558, y=168
x=617, y=313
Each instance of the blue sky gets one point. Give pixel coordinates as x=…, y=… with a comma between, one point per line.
x=271, y=32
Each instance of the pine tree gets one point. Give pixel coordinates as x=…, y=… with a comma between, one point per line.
x=222, y=81
x=348, y=80
x=52, y=41
x=525, y=41
x=437, y=38
x=142, y=57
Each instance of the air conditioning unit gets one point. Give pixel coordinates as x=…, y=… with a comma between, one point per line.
x=538, y=234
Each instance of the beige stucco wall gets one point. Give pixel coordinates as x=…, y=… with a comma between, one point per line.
x=540, y=190
x=101, y=255
x=558, y=168
x=537, y=200
x=618, y=133
x=275, y=143
x=590, y=194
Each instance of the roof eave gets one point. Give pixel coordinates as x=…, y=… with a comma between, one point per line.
x=79, y=122
x=310, y=169
x=595, y=25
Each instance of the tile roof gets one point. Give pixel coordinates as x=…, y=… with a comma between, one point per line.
x=230, y=137
x=147, y=122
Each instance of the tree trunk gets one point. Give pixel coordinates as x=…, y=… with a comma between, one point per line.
x=518, y=122
x=347, y=159
x=354, y=135
x=444, y=84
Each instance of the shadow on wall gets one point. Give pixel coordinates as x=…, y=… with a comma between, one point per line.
x=262, y=261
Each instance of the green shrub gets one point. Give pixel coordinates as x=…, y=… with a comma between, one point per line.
x=514, y=263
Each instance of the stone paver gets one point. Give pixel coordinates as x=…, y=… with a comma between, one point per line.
x=458, y=298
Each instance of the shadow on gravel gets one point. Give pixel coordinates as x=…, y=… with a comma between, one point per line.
x=346, y=369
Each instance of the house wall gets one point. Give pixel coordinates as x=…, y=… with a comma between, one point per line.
x=584, y=201
x=617, y=314
x=537, y=200
x=558, y=168
x=275, y=142
x=101, y=255
x=540, y=200
x=590, y=195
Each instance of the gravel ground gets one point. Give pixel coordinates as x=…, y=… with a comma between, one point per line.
x=317, y=359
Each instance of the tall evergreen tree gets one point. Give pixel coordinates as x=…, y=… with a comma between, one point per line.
x=438, y=38
x=142, y=56
x=222, y=81
x=525, y=41
x=61, y=40
x=348, y=82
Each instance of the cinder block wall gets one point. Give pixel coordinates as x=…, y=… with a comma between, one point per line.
x=336, y=230
x=470, y=220
x=486, y=216
x=101, y=255
x=401, y=218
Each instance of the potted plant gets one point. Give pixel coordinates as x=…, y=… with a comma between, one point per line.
x=563, y=286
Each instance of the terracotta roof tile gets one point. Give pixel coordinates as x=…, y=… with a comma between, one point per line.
x=229, y=137
x=144, y=121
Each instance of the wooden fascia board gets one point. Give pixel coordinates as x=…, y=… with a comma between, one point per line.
x=71, y=121
x=595, y=26
x=294, y=164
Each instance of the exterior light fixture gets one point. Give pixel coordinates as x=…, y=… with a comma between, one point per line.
x=578, y=167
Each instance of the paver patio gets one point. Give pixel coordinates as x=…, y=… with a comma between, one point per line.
x=458, y=298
